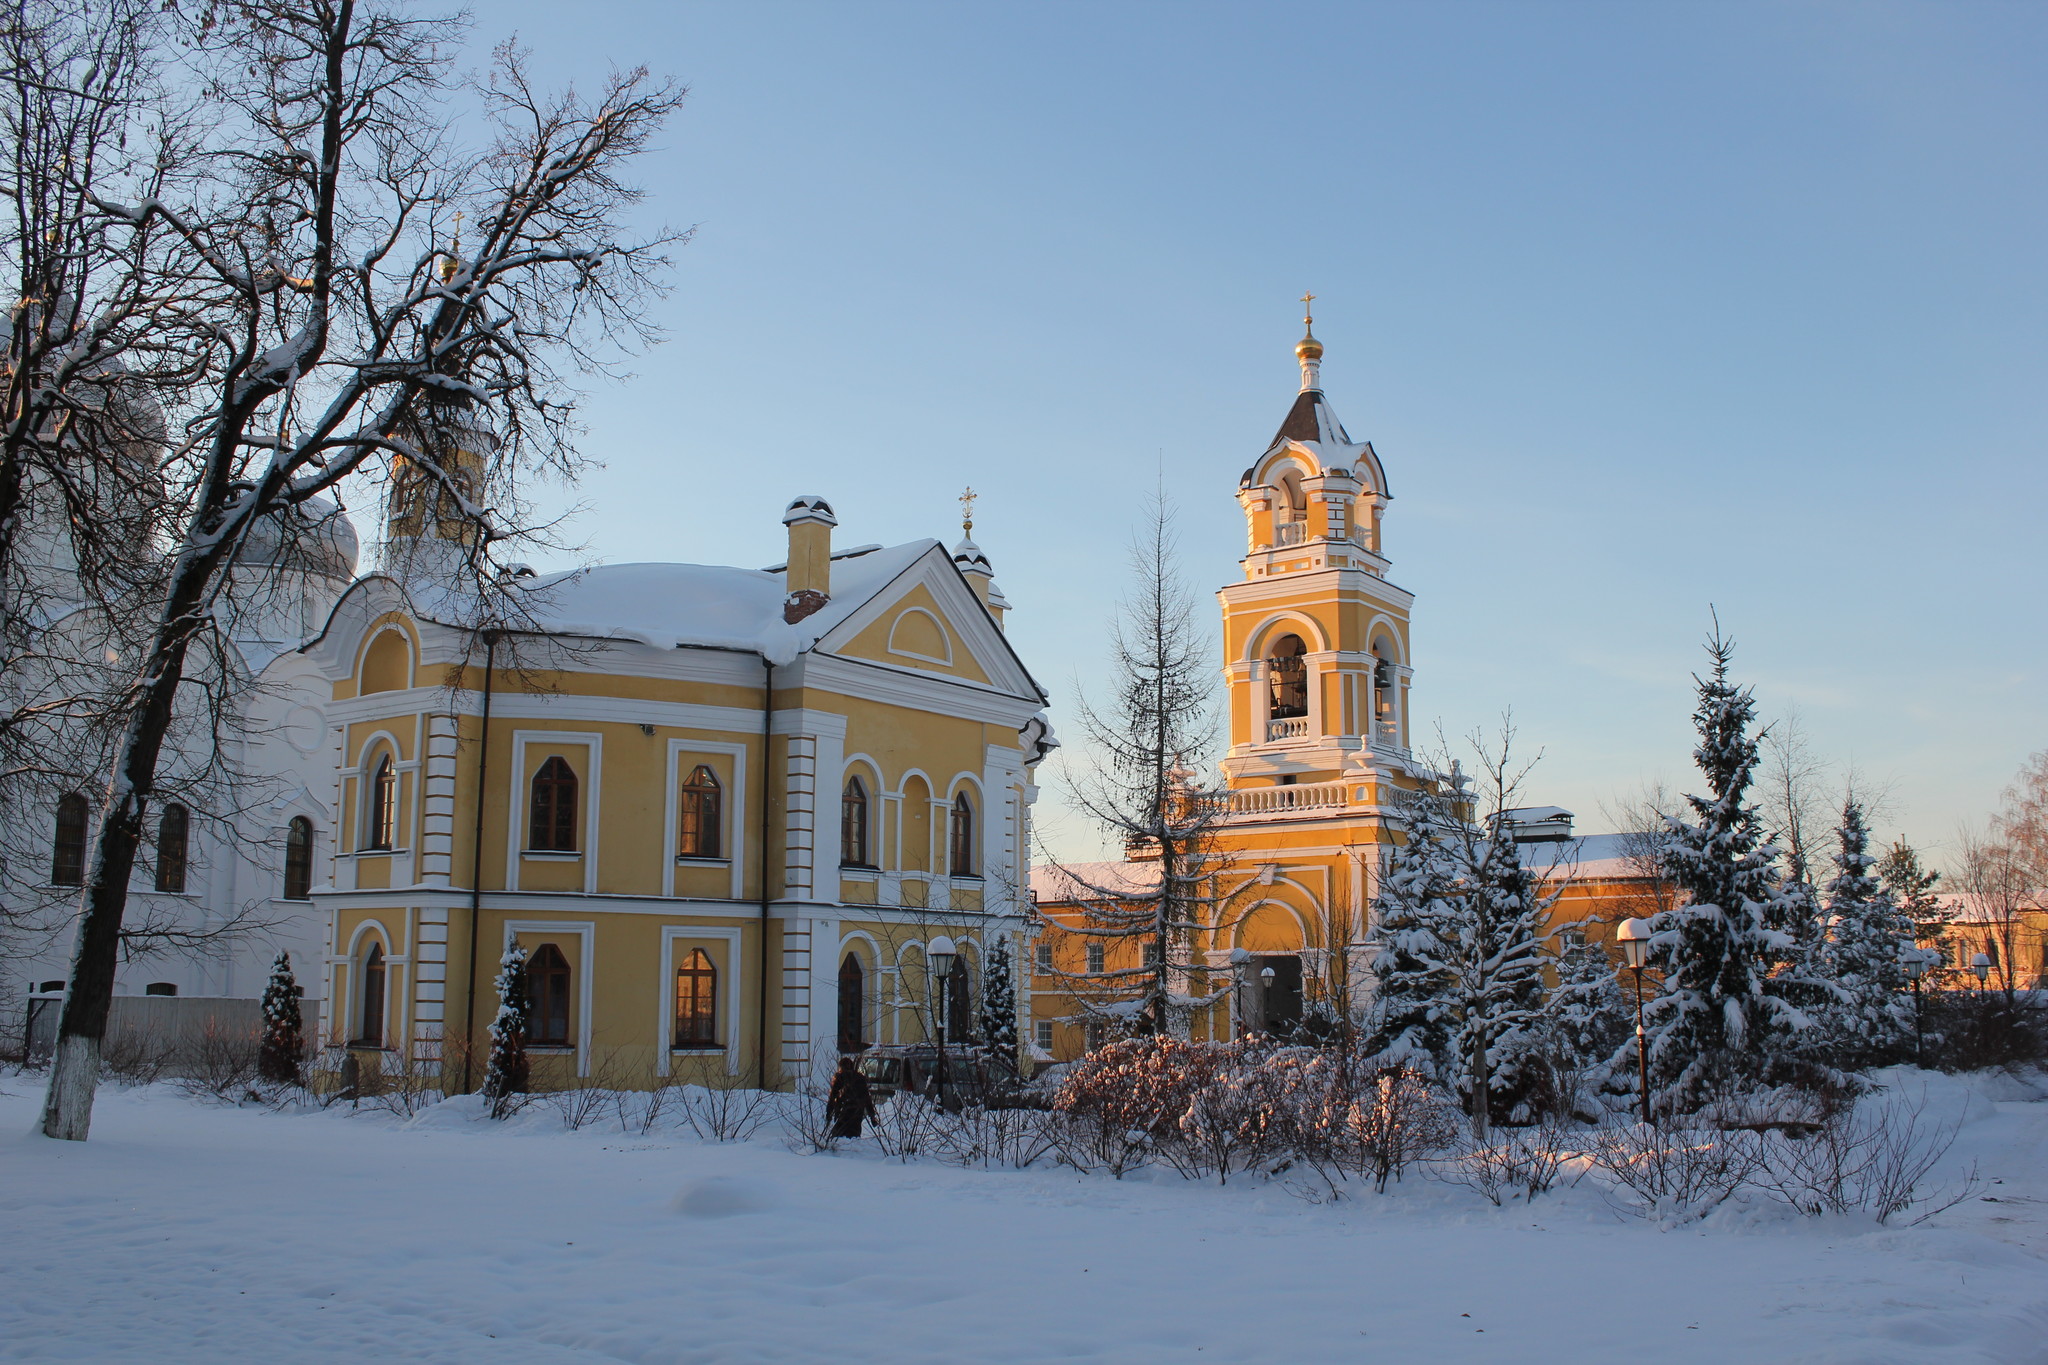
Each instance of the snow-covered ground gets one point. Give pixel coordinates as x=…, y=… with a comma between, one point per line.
x=188, y=1232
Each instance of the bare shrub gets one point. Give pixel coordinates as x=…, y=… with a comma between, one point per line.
x=731, y=1112
x=415, y=1086
x=135, y=1059
x=1677, y=1173
x=1520, y=1164
x=220, y=1064
x=906, y=1125
x=1236, y=1122
x=588, y=1098
x=1874, y=1158
x=1124, y=1101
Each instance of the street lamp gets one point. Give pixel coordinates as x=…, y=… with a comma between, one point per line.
x=1981, y=965
x=944, y=956
x=1266, y=975
x=1634, y=938
x=1916, y=964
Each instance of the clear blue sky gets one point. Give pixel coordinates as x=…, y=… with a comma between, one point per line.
x=1644, y=306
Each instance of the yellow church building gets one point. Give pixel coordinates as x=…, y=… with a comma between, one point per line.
x=725, y=811
x=1317, y=668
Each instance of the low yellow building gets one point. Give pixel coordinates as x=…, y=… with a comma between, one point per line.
x=723, y=810
x=1317, y=666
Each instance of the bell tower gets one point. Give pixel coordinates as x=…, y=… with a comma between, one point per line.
x=1316, y=640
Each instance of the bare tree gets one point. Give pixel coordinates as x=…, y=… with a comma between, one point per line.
x=1152, y=736
x=334, y=328
x=1639, y=819
x=1794, y=795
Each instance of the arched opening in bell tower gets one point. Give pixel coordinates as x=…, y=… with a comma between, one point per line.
x=1287, y=679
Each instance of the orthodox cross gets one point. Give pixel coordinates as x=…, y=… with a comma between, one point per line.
x=967, y=511
x=1308, y=314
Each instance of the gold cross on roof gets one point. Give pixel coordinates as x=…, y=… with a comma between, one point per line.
x=967, y=511
x=1308, y=314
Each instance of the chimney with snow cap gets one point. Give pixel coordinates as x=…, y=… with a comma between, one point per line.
x=809, y=576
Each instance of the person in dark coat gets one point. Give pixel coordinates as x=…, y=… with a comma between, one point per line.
x=849, y=1101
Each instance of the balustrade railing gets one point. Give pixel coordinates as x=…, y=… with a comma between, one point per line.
x=1290, y=533
x=1296, y=728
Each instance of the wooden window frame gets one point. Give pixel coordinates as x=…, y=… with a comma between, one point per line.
x=700, y=815
x=547, y=973
x=854, y=824
x=73, y=837
x=298, y=859
x=694, y=1006
x=371, y=972
x=173, y=848
x=961, y=861
x=380, y=812
x=553, y=799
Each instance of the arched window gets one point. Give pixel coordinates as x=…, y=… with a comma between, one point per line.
x=553, y=826
x=1287, y=678
x=697, y=1001
x=963, y=836
x=67, y=853
x=161, y=988
x=956, y=1011
x=853, y=1027
x=173, y=841
x=853, y=825
x=380, y=830
x=547, y=993
x=370, y=998
x=703, y=804
x=298, y=859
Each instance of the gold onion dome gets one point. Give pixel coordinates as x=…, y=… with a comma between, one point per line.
x=1308, y=348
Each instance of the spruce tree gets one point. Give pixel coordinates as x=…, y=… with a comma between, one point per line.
x=1911, y=888
x=280, y=1058
x=1591, y=1013
x=507, y=1074
x=1864, y=956
x=1416, y=913
x=1497, y=960
x=999, y=1002
x=1726, y=1013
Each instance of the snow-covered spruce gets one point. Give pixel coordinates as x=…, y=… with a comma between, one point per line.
x=1461, y=987
x=999, y=1002
x=1727, y=1009
x=507, y=1074
x=281, y=1057
x=1863, y=956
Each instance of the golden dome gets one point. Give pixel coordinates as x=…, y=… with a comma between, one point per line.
x=1308, y=348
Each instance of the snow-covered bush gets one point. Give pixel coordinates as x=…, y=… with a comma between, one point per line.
x=506, y=1077
x=1519, y=1164
x=1675, y=1173
x=725, y=1113
x=1402, y=1120
x=1872, y=1158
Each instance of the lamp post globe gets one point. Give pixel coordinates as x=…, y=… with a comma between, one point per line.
x=1981, y=966
x=1634, y=937
x=943, y=955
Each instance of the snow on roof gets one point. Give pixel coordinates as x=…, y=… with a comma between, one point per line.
x=1588, y=857
x=1053, y=884
x=707, y=605
x=1965, y=907
x=1535, y=815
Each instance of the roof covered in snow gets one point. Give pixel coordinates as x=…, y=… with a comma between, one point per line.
x=1055, y=883
x=1590, y=856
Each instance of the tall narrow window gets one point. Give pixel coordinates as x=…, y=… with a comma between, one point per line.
x=697, y=1001
x=370, y=998
x=1288, y=678
x=956, y=1020
x=963, y=836
x=67, y=853
x=553, y=826
x=853, y=825
x=703, y=802
x=298, y=859
x=173, y=842
x=381, y=830
x=852, y=1005
x=1095, y=957
x=547, y=993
